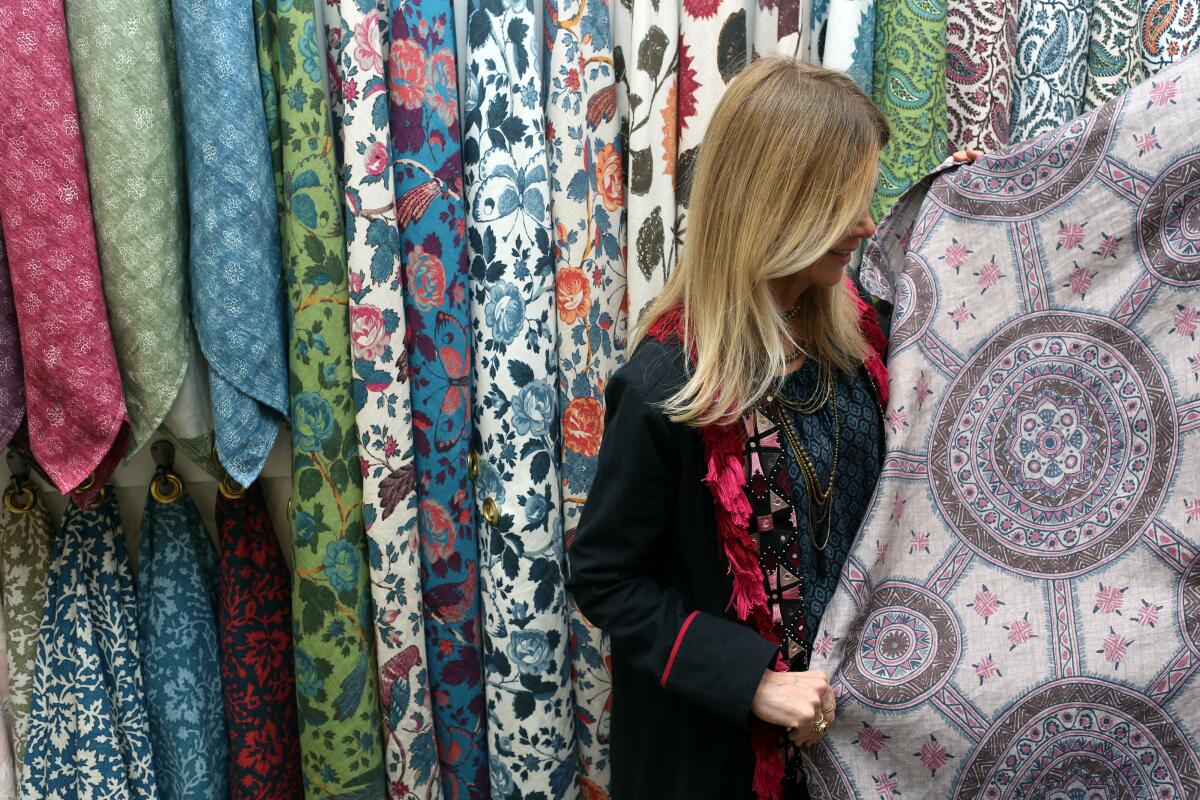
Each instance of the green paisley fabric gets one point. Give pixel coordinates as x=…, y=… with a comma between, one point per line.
x=337, y=688
x=910, y=89
x=1114, y=58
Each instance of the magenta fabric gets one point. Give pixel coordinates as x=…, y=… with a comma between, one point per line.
x=12, y=387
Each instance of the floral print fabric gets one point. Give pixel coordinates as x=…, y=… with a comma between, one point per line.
x=8, y=777
x=177, y=598
x=432, y=281
x=12, y=388
x=847, y=40
x=981, y=41
x=1170, y=31
x=1114, y=58
x=1052, y=56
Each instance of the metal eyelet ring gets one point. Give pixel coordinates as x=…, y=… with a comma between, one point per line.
x=230, y=488
x=10, y=499
x=473, y=465
x=86, y=485
x=173, y=490
x=491, y=512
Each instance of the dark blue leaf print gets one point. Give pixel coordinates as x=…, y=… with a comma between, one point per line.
x=520, y=372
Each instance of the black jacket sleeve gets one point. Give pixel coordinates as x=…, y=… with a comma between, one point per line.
x=712, y=661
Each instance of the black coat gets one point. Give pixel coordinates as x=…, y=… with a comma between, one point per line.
x=646, y=568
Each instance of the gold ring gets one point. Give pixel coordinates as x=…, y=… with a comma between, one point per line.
x=231, y=488
x=819, y=727
x=173, y=490
x=86, y=485
x=10, y=499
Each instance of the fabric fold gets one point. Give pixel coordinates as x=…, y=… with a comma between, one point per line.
x=12, y=386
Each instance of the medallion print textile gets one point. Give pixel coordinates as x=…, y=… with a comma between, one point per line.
x=236, y=284
x=336, y=680
x=1052, y=51
x=177, y=629
x=981, y=41
x=910, y=89
x=432, y=281
x=1114, y=59
x=587, y=201
x=382, y=397
x=1170, y=31
x=74, y=404
x=12, y=388
x=89, y=735
x=526, y=665
x=1018, y=617
x=258, y=675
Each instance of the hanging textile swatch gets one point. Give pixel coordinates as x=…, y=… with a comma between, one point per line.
x=236, y=291
x=381, y=397
x=653, y=138
x=981, y=41
x=338, y=689
x=1021, y=612
x=587, y=202
x=74, y=404
x=129, y=110
x=847, y=42
x=12, y=387
x=177, y=626
x=258, y=672
x=1170, y=31
x=8, y=772
x=431, y=213
x=88, y=731
x=1052, y=50
x=531, y=715
x=25, y=533
x=1114, y=57
x=910, y=89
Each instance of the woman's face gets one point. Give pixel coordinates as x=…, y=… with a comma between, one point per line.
x=830, y=269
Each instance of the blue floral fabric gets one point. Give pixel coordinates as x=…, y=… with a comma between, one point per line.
x=89, y=736
x=177, y=606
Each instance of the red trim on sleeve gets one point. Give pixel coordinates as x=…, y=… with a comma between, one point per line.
x=675, y=650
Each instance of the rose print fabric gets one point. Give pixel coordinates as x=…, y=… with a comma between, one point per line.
x=1170, y=31
x=236, y=288
x=531, y=731
x=847, y=41
x=177, y=626
x=981, y=40
x=123, y=55
x=1052, y=56
x=258, y=668
x=74, y=402
x=338, y=689
x=12, y=388
x=24, y=564
x=587, y=206
x=431, y=217
x=1114, y=58
x=89, y=735
x=381, y=398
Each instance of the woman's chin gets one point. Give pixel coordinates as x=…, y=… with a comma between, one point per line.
x=830, y=270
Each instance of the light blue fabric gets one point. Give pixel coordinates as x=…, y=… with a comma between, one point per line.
x=177, y=611
x=88, y=732
x=236, y=273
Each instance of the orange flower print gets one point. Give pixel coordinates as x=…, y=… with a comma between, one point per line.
x=583, y=425
x=609, y=178
x=574, y=295
x=670, y=141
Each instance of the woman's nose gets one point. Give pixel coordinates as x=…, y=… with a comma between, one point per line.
x=864, y=228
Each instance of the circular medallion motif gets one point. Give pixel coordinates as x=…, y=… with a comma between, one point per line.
x=1053, y=447
x=1168, y=231
x=904, y=648
x=1081, y=738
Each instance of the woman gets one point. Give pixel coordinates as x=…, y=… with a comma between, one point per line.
x=743, y=442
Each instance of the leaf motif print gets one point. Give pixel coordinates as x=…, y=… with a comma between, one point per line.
x=1051, y=63
x=980, y=63
x=1114, y=59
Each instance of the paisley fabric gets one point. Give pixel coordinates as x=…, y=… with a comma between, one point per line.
x=587, y=202
x=24, y=564
x=381, y=395
x=1052, y=53
x=847, y=41
x=236, y=289
x=177, y=628
x=909, y=88
x=431, y=215
x=74, y=404
x=530, y=708
x=338, y=689
x=123, y=55
x=1114, y=59
x=12, y=388
x=1018, y=617
x=981, y=41
x=258, y=675
x=1170, y=31
x=89, y=735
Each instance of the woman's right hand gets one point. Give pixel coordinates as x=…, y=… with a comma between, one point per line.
x=796, y=701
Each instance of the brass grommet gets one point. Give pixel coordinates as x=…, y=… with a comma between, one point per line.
x=473, y=465
x=86, y=485
x=230, y=488
x=173, y=490
x=10, y=499
x=491, y=512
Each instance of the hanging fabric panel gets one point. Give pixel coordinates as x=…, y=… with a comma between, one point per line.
x=123, y=55
x=422, y=81
x=651, y=71
x=1114, y=57
x=25, y=533
x=74, y=404
x=177, y=625
x=12, y=388
x=258, y=674
x=848, y=41
x=910, y=89
x=8, y=772
x=587, y=200
x=338, y=689
x=381, y=397
x=236, y=291
x=1170, y=31
x=1052, y=37
x=88, y=731
x=531, y=725
x=981, y=41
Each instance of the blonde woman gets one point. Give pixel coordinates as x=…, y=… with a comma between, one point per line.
x=743, y=442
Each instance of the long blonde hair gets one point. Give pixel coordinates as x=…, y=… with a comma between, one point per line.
x=786, y=168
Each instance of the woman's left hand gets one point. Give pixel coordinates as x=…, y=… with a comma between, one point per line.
x=967, y=156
